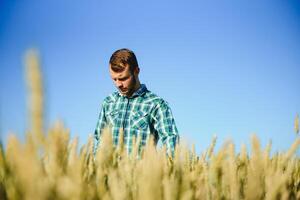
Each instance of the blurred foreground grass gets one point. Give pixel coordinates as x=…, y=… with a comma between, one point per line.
x=49, y=165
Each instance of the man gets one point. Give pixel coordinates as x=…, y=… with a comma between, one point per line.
x=134, y=109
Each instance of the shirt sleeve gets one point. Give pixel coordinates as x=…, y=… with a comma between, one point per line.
x=101, y=123
x=164, y=124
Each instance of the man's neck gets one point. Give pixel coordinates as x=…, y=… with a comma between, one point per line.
x=136, y=87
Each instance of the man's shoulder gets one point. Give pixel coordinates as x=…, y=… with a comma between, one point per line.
x=110, y=98
x=153, y=98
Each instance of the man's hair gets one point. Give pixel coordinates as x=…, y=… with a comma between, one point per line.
x=123, y=56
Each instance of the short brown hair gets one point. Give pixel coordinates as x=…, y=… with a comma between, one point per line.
x=123, y=56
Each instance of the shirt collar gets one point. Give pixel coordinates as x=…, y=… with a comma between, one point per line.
x=139, y=92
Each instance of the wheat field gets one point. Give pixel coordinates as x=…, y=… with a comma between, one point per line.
x=51, y=165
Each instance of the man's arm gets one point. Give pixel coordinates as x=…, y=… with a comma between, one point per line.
x=99, y=127
x=164, y=124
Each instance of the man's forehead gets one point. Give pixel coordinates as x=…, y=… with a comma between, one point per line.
x=119, y=74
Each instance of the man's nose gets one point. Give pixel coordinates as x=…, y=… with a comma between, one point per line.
x=118, y=83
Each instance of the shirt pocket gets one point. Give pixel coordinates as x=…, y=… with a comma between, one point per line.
x=140, y=120
x=114, y=117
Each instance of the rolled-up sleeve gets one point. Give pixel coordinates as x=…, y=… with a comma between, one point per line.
x=165, y=126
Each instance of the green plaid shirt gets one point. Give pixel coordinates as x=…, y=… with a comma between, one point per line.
x=140, y=115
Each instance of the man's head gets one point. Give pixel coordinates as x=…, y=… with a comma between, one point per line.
x=124, y=71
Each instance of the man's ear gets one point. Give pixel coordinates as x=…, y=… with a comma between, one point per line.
x=136, y=71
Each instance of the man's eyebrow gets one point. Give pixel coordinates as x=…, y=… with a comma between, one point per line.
x=123, y=78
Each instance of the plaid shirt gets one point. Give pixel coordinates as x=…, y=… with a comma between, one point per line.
x=140, y=115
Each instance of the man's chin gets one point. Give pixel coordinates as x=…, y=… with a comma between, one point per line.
x=127, y=93
x=124, y=92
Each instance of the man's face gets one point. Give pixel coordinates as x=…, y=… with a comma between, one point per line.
x=125, y=81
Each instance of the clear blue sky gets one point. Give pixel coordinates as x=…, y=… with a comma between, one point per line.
x=229, y=68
